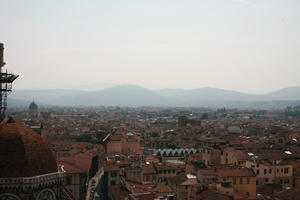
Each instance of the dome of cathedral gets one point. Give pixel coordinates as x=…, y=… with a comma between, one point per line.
x=33, y=106
x=23, y=153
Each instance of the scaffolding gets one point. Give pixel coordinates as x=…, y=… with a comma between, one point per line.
x=6, y=80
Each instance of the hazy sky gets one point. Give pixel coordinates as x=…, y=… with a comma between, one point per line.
x=245, y=45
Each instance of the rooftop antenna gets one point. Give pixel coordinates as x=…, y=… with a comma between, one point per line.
x=6, y=80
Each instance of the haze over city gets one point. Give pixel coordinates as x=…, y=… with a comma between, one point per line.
x=245, y=45
x=149, y=100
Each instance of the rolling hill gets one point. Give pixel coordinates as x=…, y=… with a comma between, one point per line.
x=132, y=95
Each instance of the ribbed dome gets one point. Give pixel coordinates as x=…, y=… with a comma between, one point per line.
x=33, y=106
x=23, y=153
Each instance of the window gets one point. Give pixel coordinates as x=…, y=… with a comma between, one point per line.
x=257, y=172
x=113, y=174
x=186, y=187
x=270, y=171
x=147, y=178
x=241, y=180
x=287, y=181
x=248, y=180
x=266, y=180
x=69, y=180
x=286, y=170
x=265, y=171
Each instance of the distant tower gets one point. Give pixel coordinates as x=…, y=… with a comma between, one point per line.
x=6, y=80
x=182, y=121
x=33, y=110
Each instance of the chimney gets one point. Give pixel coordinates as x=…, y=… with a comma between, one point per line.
x=1, y=54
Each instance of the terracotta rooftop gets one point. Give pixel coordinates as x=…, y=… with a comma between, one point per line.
x=212, y=195
x=145, y=196
x=139, y=188
x=162, y=189
x=190, y=182
x=23, y=153
x=116, y=137
x=176, y=180
x=111, y=167
x=79, y=163
x=239, y=155
x=162, y=166
x=227, y=172
x=273, y=191
x=149, y=169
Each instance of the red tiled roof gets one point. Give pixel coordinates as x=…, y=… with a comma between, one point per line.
x=23, y=153
x=162, y=166
x=227, y=172
x=111, y=167
x=139, y=188
x=79, y=163
x=239, y=155
x=176, y=180
x=273, y=191
x=212, y=195
x=145, y=196
x=149, y=169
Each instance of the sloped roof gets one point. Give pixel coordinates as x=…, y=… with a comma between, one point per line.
x=79, y=163
x=23, y=153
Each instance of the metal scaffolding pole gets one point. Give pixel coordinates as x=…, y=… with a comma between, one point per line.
x=6, y=80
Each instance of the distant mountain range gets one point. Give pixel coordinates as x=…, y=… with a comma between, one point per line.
x=132, y=95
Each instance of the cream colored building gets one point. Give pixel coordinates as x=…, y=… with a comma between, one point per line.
x=123, y=143
x=230, y=180
x=267, y=173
